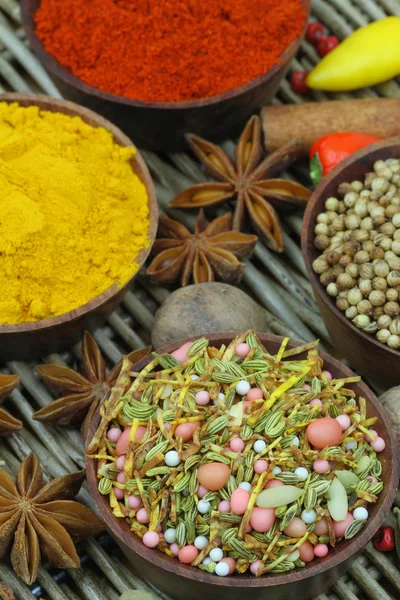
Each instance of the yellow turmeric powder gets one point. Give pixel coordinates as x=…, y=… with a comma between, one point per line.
x=73, y=215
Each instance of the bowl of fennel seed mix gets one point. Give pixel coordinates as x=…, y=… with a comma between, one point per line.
x=78, y=216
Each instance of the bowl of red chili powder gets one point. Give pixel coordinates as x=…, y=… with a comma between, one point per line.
x=161, y=68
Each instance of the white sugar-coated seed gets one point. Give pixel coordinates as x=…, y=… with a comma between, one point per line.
x=276, y=470
x=222, y=569
x=194, y=377
x=201, y=542
x=309, y=516
x=221, y=396
x=207, y=560
x=259, y=446
x=296, y=441
x=232, y=478
x=170, y=536
x=203, y=507
x=360, y=513
x=350, y=445
x=242, y=387
x=216, y=554
x=245, y=486
x=302, y=473
x=172, y=458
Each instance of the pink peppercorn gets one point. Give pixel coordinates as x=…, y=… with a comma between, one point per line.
x=134, y=502
x=174, y=549
x=378, y=445
x=260, y=466
x=236, y=445
x=224, y=506
x=121, y=477
x=120, y=462
x=321, y=550
x=344, y=421
x=315, y=402
x=368, y=438
x=254, y=566
x=328, y=375
x=202, y=491
x=255, y=394
x=119, y=494
x=151, y=539
x=242, y=350
x=114, y=434
x=142, y=516
x=321, y=466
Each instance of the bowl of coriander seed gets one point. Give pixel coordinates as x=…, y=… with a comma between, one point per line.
x=351, y=247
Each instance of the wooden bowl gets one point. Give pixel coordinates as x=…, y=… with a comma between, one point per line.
x=376, y=361
x=162, y=125
x=183, y=581
x=27, y=341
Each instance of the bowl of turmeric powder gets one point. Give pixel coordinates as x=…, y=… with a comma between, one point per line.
x=78, y=217
x=162, y=69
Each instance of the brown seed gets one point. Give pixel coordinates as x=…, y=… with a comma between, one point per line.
x=391, y=309
x=332, y=290
x=351, y=248
x=320, y=265
x=321, y=242
x=377, y=312
x=364, y=307
x=394, y=263
x=371, y=328
x=321, y=229
x=383, y=335
x=366, y=224
x=327, y=277
x=394, y=327
x=332, y=204
x=366, y=271
x=391, y=210
x=337, y=270
x=393, y=278
x=332, y=257
x=360, y=235
x=381, y=268
x=369, y=178
x=344, y=281
x=396, y=219
x=376, y=253
x=342, y=303
x=387, y=229
x=351, y=312
x=361, y=321
x=352, y=270
x=378, y=220
x=384, y=321
x=354, y=296
x=396, y=247
x=393, y=341
x=379, y=283
x=368, y=245
x=365, y=286
x=377, y=298
x=385, y=200
x=345, y=260
x=343, y=189
x=361, y=257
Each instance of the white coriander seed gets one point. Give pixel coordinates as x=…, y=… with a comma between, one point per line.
x=245, y=486
x=259, y=446
x=203, y=507
x=172, y=458
x=242, y=387
x=360, y=513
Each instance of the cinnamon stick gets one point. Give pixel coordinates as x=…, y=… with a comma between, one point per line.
x=312, y=120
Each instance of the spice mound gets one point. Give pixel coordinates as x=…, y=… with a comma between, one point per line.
x=232, y=459
x=359, y=234
x=73, y=214
x=168, y=50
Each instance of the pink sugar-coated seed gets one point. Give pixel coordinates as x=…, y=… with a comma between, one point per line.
x=202, y=398
x=255, y=394
x=202, y=491
x=340, y=527
x=224, y=506
x=307, y=387
x=248, y=528
x=315, y=402
x=188, y=554
x=236, y=445
x=296, y=528
x=142, y=516
x=242, y=350
x=151, y=539
x=262, y=519
x=321, y=527
x=121, y=477
x=168, y=426
x=134, y=502
x=181, y=354
x=186, y=430
x=378, y=445
x=372, y=478
x=254, y=566
x=321, y=550
x=231, y=562
x=273, y=483
x=174, y=549
x=368, y=438
x=306, y=552
x=159, y=528
x=239, y=501
x=119, y=494
x=120, y=462
x=260, y=466
x=161, y=535
x=123, y=441
x=328, y=375
x=321, y=466
x=218, y=540
x=344, y=421
x=114, y=434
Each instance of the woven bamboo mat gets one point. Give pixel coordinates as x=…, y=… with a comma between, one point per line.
x=277, y=282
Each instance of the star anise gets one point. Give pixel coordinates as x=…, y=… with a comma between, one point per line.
x=37, y=519
x=8, y=424
x=248, y=182
x=211, y=253
x=81, y=393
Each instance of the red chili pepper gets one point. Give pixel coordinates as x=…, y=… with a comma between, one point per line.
x=383, y=540
x=315, y=31
x=330, y=150
x=298, y=82
x=327, y=44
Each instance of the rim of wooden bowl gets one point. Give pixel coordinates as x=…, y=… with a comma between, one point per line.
x=342, y=173
x=55, y=67
x=140, y=169
x=342, y=552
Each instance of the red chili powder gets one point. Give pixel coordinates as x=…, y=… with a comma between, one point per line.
x=168, y=50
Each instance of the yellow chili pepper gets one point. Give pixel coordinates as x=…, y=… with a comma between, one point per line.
x=369, y=56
